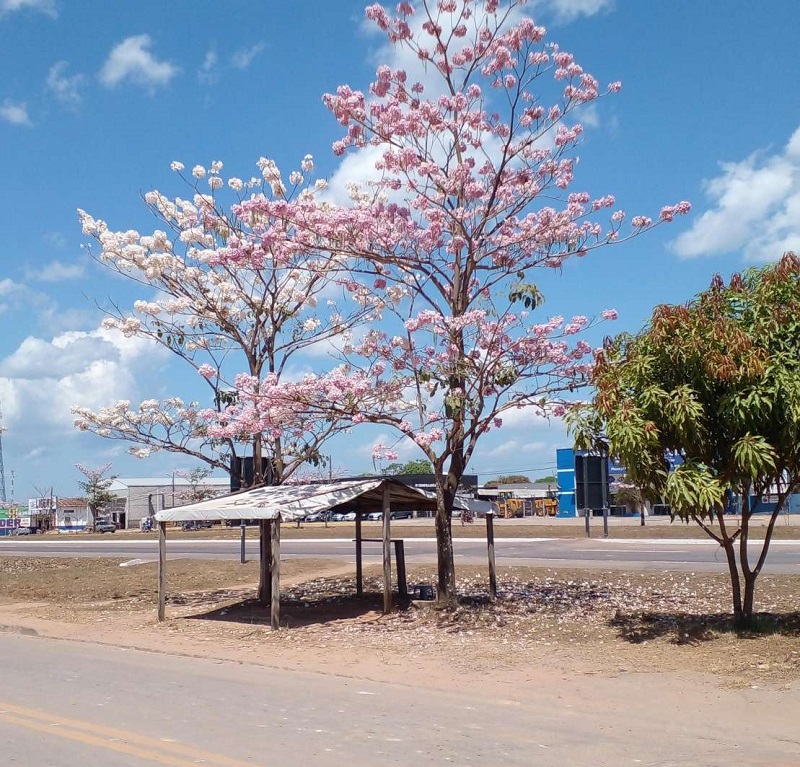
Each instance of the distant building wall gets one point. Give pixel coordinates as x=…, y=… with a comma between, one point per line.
x=565, y=474
x=139, y=498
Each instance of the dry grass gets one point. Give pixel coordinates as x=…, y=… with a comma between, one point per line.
x=594, y=621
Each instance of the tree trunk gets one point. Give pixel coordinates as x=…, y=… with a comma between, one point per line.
x=444, y=550
x=641, y=514
x=736, y=587
x=746, y=618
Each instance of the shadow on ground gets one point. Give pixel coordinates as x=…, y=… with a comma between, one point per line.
x=300, y=612
x=686, y=628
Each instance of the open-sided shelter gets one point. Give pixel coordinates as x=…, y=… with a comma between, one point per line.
x=270, y=505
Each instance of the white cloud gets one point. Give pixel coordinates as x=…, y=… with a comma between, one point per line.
x=15, y=113
x=41, y=380
x=569, y=10
x=132, y=60
x=57, y=271
x=56, y=239
x=511, y=448
x=47, y=7
x=755, y=208
x=13, y=295
x=523, y=418
x=207, y=73
x=66, y=89
x=244, y=57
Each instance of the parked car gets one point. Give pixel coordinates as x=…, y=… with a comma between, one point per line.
x=349, y=517
x=337, y=516
x=401, y=515
x=22, y=531
x=106, y=526
x=375, y=516
x=202, y=524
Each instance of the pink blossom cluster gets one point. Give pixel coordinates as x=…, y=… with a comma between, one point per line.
x=434, y=257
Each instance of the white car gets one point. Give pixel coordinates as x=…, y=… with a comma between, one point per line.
x=375, y=516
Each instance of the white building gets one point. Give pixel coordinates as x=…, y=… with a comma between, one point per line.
x=141, y=497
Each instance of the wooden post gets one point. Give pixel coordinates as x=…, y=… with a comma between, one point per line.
x=275, y=570
x=387, y=550
x=587, y=510
x=490, y=548
x=400, y=556
x=162, y=571
x=604, y=491
x=264, y=577
x=243, y=545
x=359, y=559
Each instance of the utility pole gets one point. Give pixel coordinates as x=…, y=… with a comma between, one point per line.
x=2, y=468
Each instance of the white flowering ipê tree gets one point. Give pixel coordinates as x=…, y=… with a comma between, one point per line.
x=232, y=292
x=96, y=488
x=474, y=144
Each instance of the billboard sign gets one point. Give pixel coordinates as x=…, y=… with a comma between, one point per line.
x=42, y=505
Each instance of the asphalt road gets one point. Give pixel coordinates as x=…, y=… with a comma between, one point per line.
x=64, y=704
x=653, y=554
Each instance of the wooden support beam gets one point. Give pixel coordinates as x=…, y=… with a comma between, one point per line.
x=275, y=571
x=264, y=576
x=400, y=556
x=162, y=571
x=387, y=550
x=490, y=548
x=359, y=558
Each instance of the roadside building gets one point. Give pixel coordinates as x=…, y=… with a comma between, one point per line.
x=10, y=515
x=138, y=498
x=72, y=515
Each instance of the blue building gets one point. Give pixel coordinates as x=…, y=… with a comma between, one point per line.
x=565, y=468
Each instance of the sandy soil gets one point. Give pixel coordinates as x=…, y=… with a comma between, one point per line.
x=557, y=622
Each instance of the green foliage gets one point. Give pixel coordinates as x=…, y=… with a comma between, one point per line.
x=421, y=466
x=509, y=479
x=717, y=382
x=551, y=478
x=526, y=293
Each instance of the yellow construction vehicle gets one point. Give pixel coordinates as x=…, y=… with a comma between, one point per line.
x=508, y=508
x=545, y=507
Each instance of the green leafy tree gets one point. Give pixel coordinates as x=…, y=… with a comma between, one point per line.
x=716, y=382
x=420, y=466
x=96, y=488
x=551, y=478
x=508, y=479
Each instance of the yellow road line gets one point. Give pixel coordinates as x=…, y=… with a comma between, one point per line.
x=114, y=739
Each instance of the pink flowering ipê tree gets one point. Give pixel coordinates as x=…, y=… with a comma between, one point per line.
x=232, y=291
x=474, y=147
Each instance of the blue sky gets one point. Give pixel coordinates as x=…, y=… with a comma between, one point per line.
x=97, y=98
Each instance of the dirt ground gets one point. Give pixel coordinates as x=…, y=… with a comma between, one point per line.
x=565, y=621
